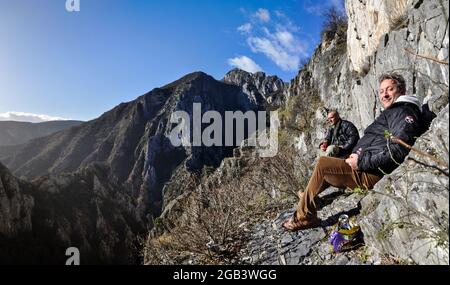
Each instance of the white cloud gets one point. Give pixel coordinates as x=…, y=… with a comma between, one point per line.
x=279, y=14
x=244, y=63
x=245, y=28
x=282, y=47
x=286, y=23
x=275, y=52
x=317, y=10
x=263, y=15
x=278, y=39
x=287, y=40
x=28, y=117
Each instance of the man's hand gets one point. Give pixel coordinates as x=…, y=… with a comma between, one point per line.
x=324, y=145
x=353, y=161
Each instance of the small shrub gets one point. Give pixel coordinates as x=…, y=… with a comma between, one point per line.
x=398, y=22
x=334, y=26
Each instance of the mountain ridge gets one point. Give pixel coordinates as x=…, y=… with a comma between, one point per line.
x=133, y=136
x=16, y=133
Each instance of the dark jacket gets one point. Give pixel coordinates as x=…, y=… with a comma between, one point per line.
x=379, y=155
x=346, y=136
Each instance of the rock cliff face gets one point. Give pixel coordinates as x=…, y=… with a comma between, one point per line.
x=86, y=209
x=369, y=21
x=15, y=205
x=356, y=95
x=406, y=215
x=416, y=48
x=261, y=89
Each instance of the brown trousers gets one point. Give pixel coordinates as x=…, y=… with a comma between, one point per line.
x=330, y=171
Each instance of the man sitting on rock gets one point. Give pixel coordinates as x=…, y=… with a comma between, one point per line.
x=372, y=157
x=340, y=139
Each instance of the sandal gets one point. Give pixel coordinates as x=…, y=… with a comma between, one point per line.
x=293, y=224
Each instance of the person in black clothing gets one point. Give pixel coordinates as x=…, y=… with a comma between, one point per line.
x=340, y=139
x=375, y=154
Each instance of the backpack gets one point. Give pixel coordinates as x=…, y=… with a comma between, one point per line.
x=427, y=117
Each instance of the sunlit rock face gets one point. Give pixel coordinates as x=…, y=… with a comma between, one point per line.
x=368, y=21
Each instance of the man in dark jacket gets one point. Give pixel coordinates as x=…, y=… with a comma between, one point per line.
x=340, y=138
x=374, y=155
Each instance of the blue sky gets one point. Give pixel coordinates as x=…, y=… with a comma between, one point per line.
x=78, y=65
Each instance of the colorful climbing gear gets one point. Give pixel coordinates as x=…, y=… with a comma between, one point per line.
x=344, y=234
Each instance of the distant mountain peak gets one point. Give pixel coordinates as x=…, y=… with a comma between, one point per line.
x=258, y=86
x=190, y=77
